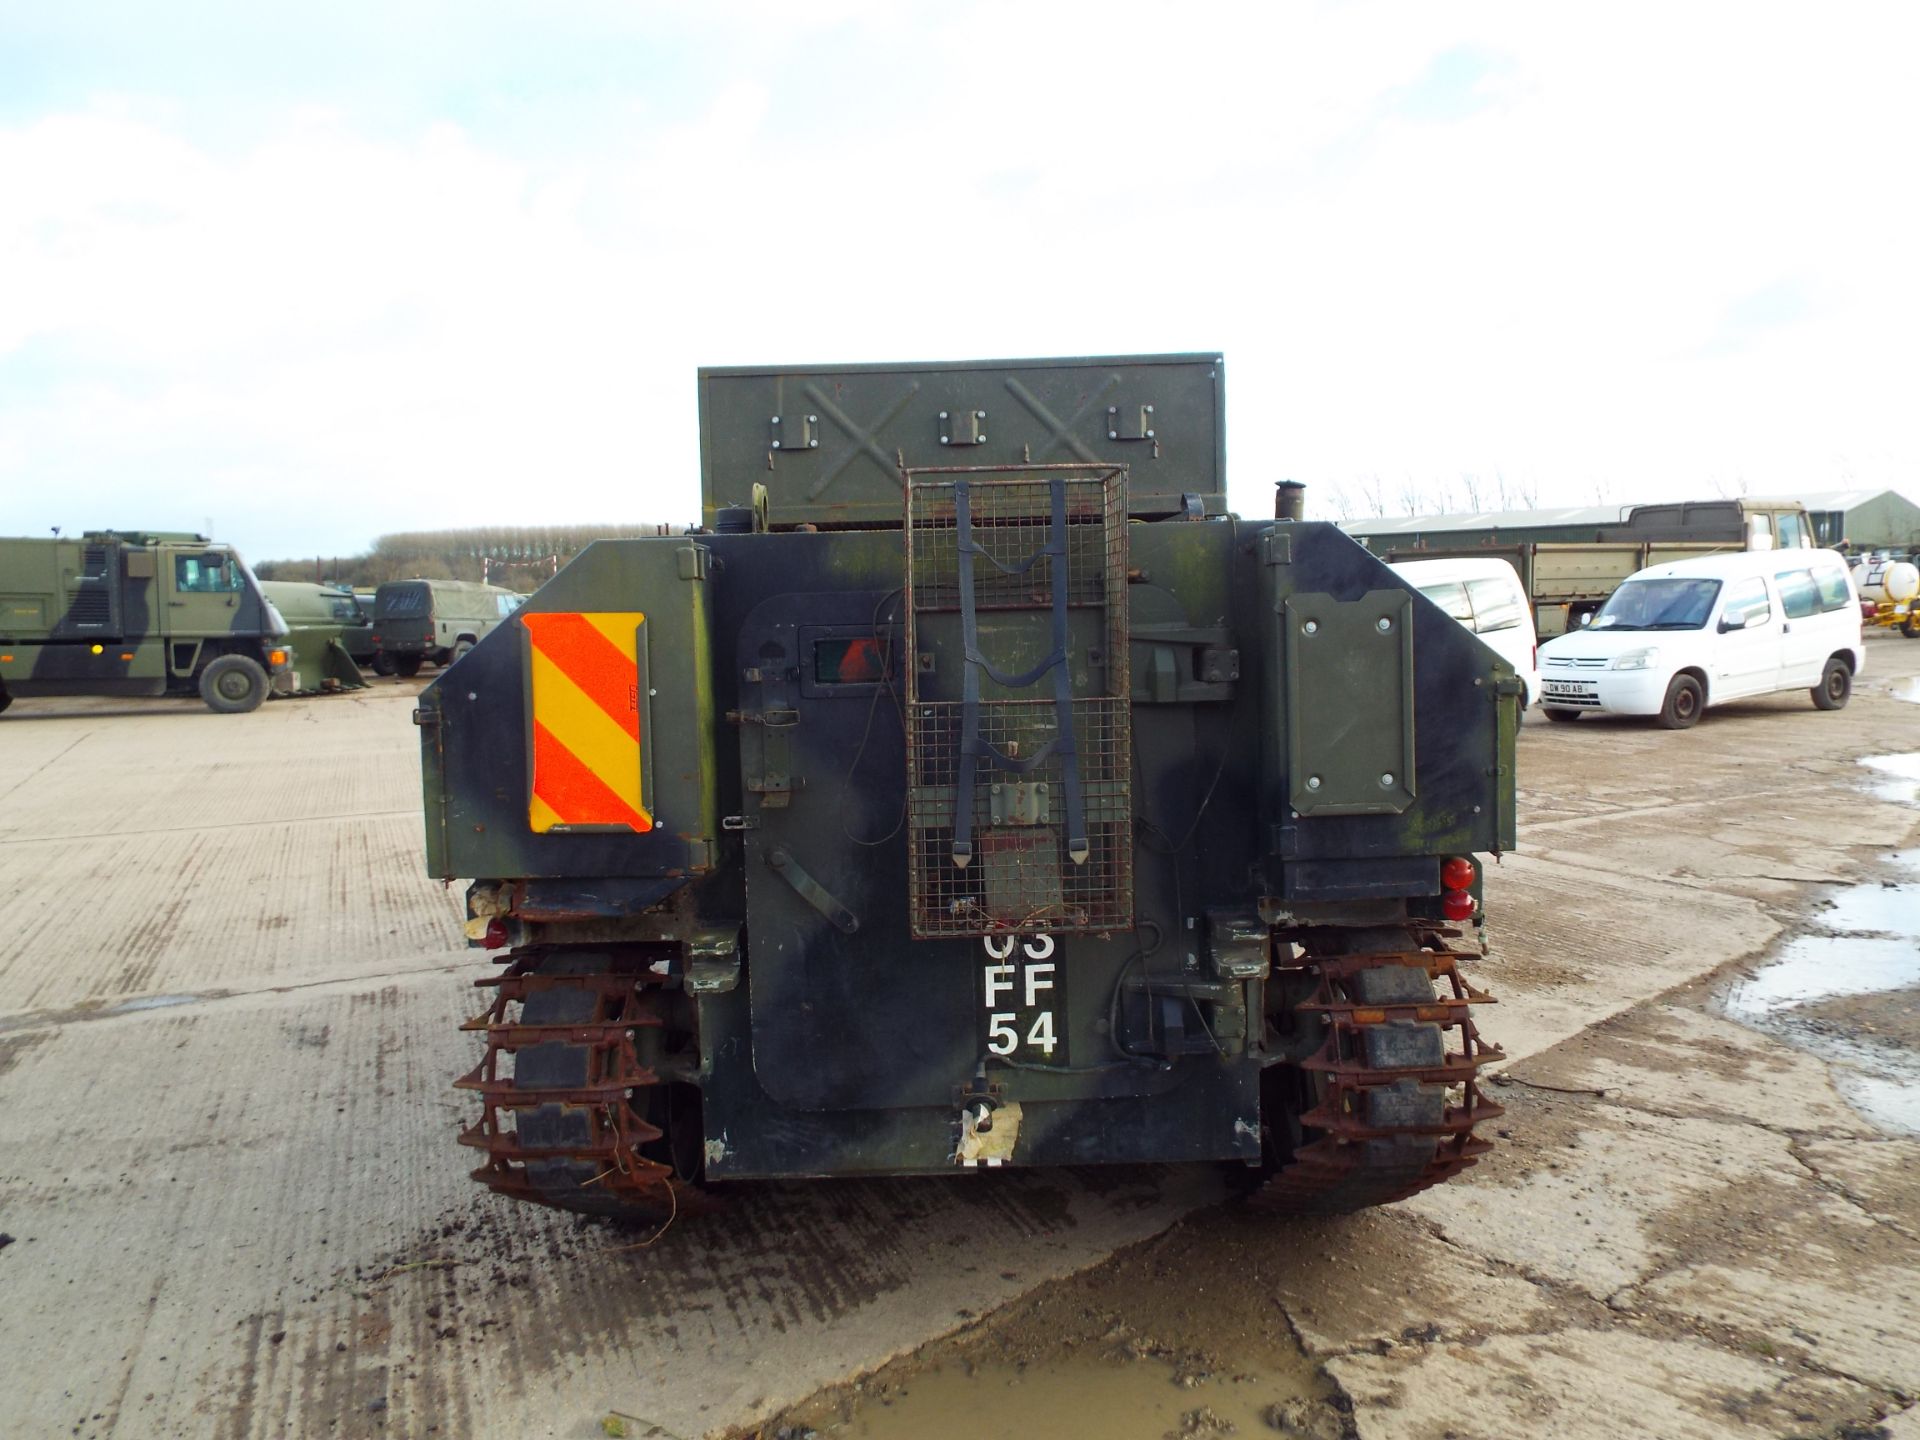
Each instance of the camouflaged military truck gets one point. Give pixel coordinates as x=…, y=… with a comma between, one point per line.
x=972, y=791
x=120, y=612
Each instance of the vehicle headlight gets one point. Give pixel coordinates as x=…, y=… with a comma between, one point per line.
x=1641, y=659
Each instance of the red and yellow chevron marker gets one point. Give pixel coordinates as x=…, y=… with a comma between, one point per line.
x=586, y=721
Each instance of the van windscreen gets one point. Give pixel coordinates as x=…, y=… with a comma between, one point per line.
x=1670, y=603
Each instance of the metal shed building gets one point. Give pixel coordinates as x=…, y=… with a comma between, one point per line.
x=1870, y=519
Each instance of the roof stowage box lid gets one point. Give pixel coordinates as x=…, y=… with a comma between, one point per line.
x=828, y=441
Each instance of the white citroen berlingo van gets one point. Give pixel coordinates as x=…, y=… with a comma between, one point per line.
x=1678, y=637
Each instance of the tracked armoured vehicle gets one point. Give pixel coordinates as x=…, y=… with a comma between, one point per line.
x=972, y=791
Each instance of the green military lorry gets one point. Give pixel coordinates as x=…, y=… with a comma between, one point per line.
x=417, y=621
x=1571, y=560
x=973, y=792
x=125, y=612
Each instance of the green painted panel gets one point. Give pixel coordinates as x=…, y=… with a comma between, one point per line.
x=1350, y=703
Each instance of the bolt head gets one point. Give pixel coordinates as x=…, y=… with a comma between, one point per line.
x=1149, y=434
x=1113, y=434
x=1312, y=627
x=776, y=444
x=1383, y=624
x=943, y=414
x=1387, y=779
x=1313, y=782
x=776, y=419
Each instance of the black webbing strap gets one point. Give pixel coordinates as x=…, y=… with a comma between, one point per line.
x=973, y=749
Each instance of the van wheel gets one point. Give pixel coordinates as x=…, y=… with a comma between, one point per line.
x=1835, y=687
x=233, y=684
x=408, y=665
x=1683, y=703
x=1561, y=715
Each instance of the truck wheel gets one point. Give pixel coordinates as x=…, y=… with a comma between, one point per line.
x=460, y=648
x=408, y=665
x=233, y=684
x=1683, y=704
x=1561, y=715
x=1910, y=627
x=1835, y=687
x=382, y=663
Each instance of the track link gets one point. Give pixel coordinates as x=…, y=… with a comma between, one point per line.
x=569, y=1122
x=1394, y=1103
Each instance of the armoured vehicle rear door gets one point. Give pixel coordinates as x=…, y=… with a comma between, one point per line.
x=822, y=761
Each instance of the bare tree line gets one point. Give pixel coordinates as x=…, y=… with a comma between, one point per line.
x=1374, y=497
x=519, y=557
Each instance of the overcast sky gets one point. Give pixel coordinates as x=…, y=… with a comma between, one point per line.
x=315, y=274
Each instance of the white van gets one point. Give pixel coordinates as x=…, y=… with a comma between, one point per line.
x=1676, y=638
x=1487, y=597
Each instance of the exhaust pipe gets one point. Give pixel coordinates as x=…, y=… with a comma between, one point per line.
x=1289, y=500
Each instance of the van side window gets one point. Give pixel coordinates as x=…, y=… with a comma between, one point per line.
x=1451, y=596
x=1798, y=595
x=1833, y=589
x=1745, y=600
x=1496, y=605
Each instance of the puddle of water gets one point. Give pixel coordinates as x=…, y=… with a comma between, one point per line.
x=1069, y=1395
x=1875, y=910
x=1824, y=967
x=1891, y=1101
x=1904, y=788
x=1809, y=993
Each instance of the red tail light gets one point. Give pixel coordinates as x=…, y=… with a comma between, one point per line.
x=496, y=935
x=1456, y=884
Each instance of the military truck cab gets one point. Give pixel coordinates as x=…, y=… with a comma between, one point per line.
x=137, y=613
x=415, y=621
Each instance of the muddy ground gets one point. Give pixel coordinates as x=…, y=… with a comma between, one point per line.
x=227, y=1022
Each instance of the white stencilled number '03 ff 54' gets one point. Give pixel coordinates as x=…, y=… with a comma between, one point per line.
x=1677, y=638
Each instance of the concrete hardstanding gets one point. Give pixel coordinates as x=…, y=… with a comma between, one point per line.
x=226, y=1022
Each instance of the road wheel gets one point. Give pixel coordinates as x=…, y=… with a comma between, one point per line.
x=460, y=648
x=1560, y=715
x=1683, y=704
x=408, y=665
x=233, y=684
x=1835, y=687
x=382, y=663
x=5, y=701
x=1910, y=627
